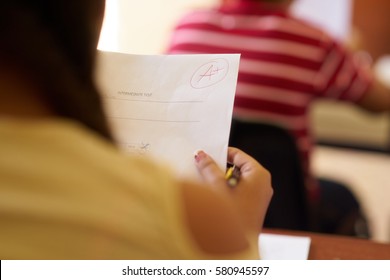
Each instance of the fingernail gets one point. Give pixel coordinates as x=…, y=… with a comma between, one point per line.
x=199, y=155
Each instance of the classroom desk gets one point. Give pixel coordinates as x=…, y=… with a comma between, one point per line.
x=335, y=247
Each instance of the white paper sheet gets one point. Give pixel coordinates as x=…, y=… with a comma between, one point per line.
x=283, y=247
x=169, y=106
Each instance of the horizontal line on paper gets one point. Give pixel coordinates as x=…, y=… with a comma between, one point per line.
x=156, y=101
x=155, y=120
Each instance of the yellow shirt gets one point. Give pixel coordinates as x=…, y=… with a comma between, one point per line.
x=67, y=194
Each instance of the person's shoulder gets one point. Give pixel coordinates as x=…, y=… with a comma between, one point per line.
x=198, y=14
x=309, y=29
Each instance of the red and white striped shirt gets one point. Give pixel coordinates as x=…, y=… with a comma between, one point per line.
x=285, y=64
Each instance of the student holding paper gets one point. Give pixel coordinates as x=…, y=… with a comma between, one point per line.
x=66, y=192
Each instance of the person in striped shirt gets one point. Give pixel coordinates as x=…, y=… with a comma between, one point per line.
x=286, y=64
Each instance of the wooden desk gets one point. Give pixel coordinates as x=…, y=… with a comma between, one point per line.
x=334, y=247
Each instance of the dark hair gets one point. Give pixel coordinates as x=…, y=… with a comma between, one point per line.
x=55, y=41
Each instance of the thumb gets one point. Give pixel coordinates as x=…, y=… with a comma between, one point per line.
x=209, y=170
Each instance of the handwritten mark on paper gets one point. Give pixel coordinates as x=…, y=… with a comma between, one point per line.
x=210, y=73
x=140, y=148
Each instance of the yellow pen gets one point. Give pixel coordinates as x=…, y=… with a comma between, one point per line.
x=232, y=176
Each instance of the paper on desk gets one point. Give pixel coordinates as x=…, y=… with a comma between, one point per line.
x=283, y=247
x=169, y=106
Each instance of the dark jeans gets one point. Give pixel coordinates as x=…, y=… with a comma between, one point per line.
x=339, y=211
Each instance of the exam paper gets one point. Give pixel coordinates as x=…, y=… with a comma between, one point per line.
x=169, y=106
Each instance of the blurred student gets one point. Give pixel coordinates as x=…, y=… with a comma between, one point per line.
x=66, y=191
x=286, y=64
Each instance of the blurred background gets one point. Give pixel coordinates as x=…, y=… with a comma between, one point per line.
x=353, y=146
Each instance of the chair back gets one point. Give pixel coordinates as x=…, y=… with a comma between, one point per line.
x=276, y=150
